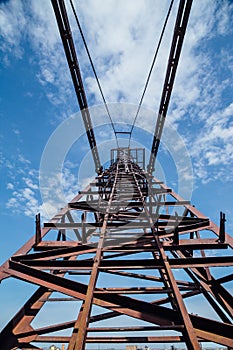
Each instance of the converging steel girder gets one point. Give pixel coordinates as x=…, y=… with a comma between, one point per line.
x=115, y=253
x=175, y=51
x=72, y=60
x=130, y=253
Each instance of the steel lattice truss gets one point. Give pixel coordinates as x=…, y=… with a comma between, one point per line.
x=128, y=250
x=131, y=227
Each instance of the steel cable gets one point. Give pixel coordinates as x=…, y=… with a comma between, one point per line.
x=93, y=69
x=151, y=69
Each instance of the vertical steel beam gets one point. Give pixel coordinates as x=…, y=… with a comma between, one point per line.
x=177, y=42
x=71, y=56
x=86, y=310
x=189, y=333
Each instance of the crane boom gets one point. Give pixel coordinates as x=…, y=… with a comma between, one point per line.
x=176, y=46
x=69, y=47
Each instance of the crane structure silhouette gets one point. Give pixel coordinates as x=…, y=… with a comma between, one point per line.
x=139, y=257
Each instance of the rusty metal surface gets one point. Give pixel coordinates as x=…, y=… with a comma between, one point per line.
x=72, y=60
x=123, y=232
x=129, y=251
x=176, y=46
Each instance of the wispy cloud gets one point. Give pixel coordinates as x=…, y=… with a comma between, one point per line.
x=213, y=149
x=33, y=23
x=24, y=190
x=122, y=40
x=12, y=25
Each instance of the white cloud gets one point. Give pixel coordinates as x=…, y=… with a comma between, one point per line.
x=12, y=25
x=228, y=112
x=213, y=149
x=122, y=39
x=25, y=190
x=33, y=23
x=23, y=160
x=10, y=186
x=30, y=184
x=225, y=17
x=16, y=131
x=23, y=200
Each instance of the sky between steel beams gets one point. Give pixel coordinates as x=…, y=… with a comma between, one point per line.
x=37, y=95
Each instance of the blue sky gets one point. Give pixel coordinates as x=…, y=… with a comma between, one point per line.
x=37, y=96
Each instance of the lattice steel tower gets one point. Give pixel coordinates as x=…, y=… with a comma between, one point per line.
x=131, y=234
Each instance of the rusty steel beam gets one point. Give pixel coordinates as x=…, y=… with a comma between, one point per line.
x=193, y=210
x=72, y=60
x=133, y=264
x=76, y=329
x=175, y=51
x=189, y=333
x=126, y=242
x=123, y=259
x=22, y=320
x=211, y=287
x=84, y=319
x=31, y=242
x=100, y=340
